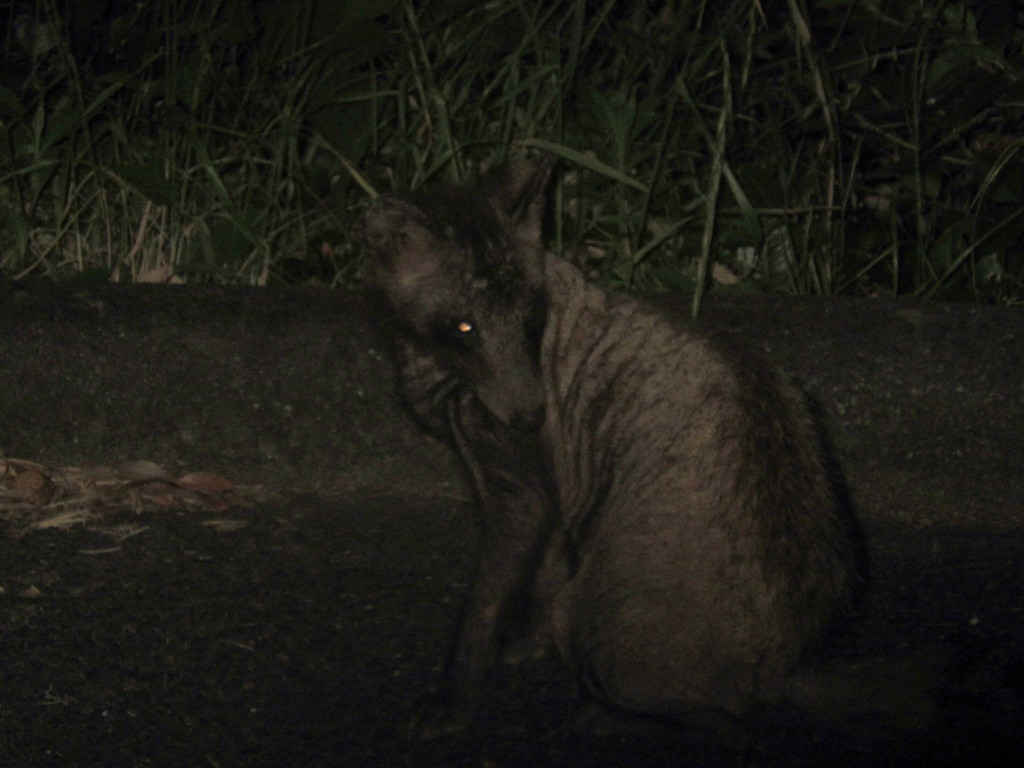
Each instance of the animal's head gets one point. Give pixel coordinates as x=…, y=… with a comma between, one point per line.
x=464, y=271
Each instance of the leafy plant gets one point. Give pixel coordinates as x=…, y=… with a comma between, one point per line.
x=829, y=146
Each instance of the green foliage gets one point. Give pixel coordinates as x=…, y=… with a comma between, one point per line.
x=176, y=146
x=838, y=146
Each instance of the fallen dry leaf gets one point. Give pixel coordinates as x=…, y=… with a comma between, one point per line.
x=205, y=482
x=29, y=479
x=98, y=474
x=162, y=273
x=32, y=485
x=63, y=520
x=142, y=470
x=35, y=497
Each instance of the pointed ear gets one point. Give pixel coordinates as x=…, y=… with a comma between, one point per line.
x=520, y=194
x=403, y=250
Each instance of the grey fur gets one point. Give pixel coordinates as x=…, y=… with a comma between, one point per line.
x=670, y=526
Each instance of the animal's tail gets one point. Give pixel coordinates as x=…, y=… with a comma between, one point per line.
x=899, y=692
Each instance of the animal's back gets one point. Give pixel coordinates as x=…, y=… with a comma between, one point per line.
x=710, y=550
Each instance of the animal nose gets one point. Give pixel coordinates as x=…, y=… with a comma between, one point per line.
x=529, y=420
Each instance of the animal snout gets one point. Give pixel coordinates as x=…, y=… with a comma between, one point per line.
x=528, y=421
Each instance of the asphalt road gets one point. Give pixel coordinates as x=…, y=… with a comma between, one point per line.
x=300, y=630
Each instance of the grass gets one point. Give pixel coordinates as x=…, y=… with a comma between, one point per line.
x=830, y=147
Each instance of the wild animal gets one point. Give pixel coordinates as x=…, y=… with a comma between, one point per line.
x=653, y=499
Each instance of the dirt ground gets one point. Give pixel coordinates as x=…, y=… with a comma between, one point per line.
x=299, y=626
x=306, y=636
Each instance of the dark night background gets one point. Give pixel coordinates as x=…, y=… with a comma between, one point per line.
x=294, y=608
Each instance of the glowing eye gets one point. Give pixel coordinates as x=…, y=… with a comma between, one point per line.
x=453, y=330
